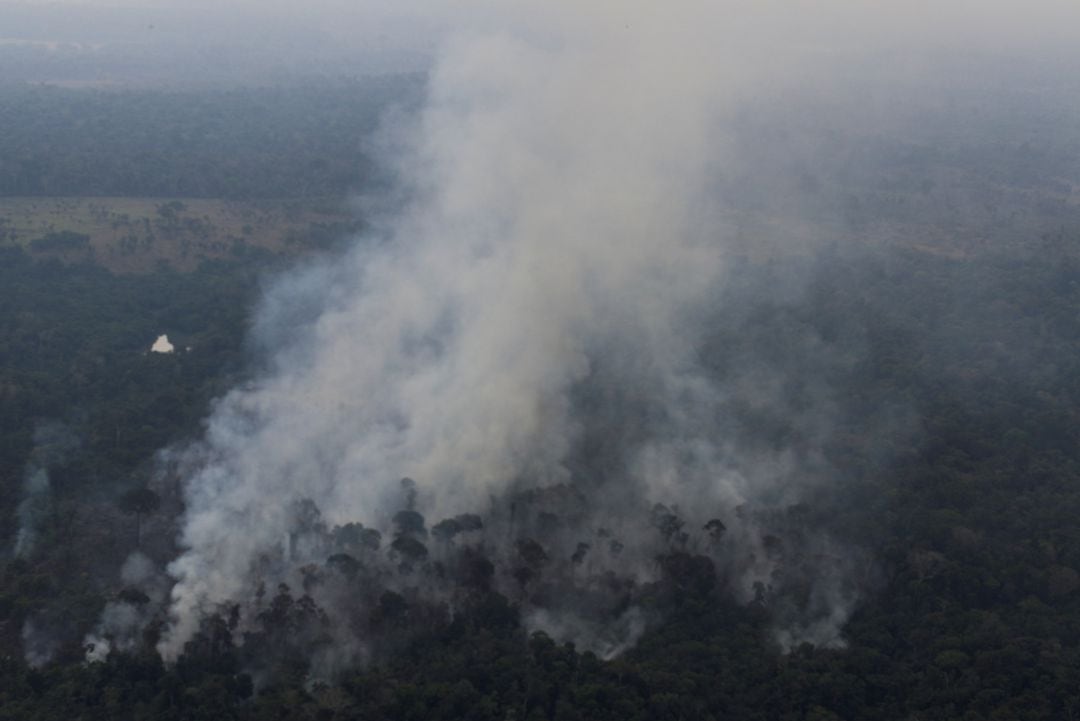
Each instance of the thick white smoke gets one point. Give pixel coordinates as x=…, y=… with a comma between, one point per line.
x=557, y=179
x=559, y=235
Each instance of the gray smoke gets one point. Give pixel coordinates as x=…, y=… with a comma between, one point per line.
x=525, y=339
x=53, y=444
x=39, y=647
x=125, y=617
x=552, y=230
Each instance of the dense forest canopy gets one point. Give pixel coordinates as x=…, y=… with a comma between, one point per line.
x=238, y=144
x=970, y=519
x=817, y=459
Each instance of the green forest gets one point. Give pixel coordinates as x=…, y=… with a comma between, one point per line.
x=967, y=346
x=243, y=143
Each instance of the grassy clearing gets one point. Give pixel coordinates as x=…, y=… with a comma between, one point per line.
x=137, y=234
x=133, y=235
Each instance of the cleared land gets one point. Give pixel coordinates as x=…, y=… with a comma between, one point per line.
x=136, y=235
x=130, y=235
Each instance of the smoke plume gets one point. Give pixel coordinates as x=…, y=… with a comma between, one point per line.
x=525, y=343
x=126, y=616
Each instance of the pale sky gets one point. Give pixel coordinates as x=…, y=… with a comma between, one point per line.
x=380, y=35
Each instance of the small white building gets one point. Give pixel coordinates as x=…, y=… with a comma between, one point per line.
x=162, y=345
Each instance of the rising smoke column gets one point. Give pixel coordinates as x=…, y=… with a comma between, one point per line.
x=556, y=233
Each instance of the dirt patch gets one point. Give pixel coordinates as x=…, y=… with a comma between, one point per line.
x=133, y=235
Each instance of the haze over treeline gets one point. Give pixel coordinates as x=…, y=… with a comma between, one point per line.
x=216, y=45
x=663, y=331
x=151, y=43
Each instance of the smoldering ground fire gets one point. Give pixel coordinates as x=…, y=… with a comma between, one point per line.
x=53, y=443
x=525, y=336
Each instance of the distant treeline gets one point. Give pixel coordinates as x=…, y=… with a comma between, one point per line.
x=64, y=240
x=243, y=143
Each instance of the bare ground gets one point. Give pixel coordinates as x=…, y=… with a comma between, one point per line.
x=133, y=235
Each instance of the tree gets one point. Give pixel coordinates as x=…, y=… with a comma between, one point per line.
x=139, y=502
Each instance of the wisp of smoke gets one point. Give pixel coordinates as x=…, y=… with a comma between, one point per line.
x=524, y=342
x=39, y=647
x=125, y=617
x=53, y=443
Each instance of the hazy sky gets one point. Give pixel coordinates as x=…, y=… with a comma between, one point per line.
x=986, y=24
